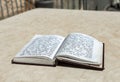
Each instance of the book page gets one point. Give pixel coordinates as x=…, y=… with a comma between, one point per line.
x=78, y=45
x=42, y=45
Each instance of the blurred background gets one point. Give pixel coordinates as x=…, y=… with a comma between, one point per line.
x=10, y=8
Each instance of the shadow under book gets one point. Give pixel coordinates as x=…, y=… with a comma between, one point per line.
x=76, y=49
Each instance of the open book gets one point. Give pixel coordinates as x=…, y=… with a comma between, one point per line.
x=76, y=48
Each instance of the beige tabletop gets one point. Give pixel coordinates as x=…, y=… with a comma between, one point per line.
x=16, y=31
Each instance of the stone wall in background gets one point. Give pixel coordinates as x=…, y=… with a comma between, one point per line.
x=12, y=7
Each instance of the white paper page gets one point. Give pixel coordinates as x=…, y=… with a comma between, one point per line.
x=80, y=46
x=42, y=45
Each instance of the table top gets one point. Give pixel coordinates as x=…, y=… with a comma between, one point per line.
x=16, y=31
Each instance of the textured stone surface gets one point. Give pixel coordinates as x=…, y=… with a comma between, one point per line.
x=16, y=31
